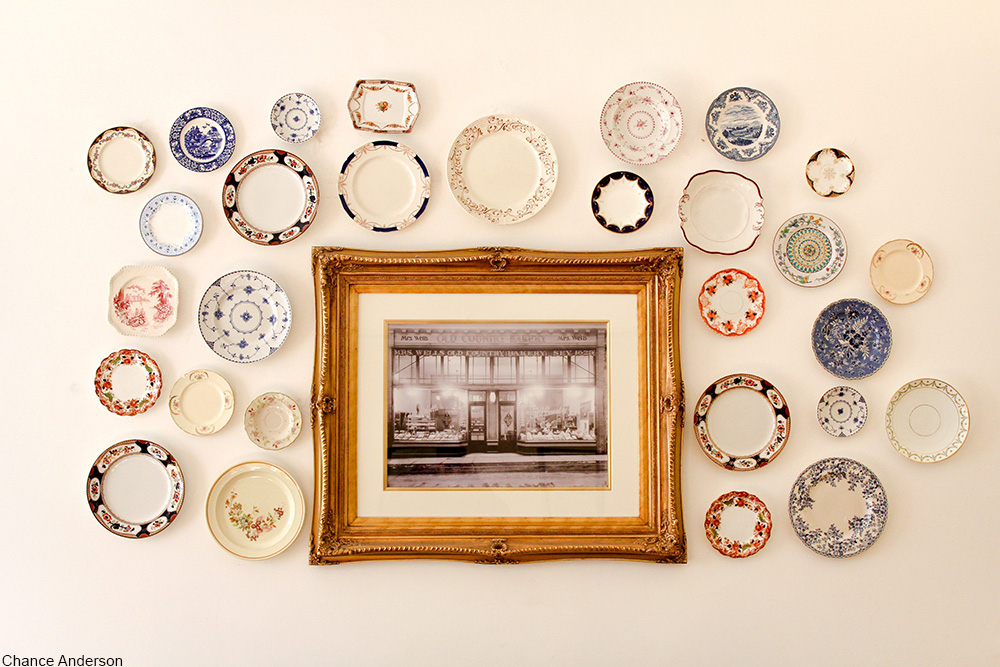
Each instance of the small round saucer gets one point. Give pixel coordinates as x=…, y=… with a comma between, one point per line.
x=830, y=172
x=726, y=541
x=731, y=302
x=128, y=382
x=622, y=202
x=170, y=224
x=295, y=117
x=272, y=421
x=104, y=156
x=901, y=271
x=201, y=402
x=842, y=411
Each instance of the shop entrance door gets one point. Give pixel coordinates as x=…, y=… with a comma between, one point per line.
x=477, y=421
x=508, y=421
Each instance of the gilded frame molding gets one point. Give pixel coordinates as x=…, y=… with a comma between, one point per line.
x=340, y=535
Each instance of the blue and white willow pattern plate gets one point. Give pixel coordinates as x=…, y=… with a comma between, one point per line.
x=295, y=117
x=851, y=338
x=742, y=124
x=852, y=532
x=202, y=139
x=842, y=411
x=244, y=316
x=155, y=238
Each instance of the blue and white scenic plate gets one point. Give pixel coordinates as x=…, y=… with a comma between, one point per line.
x=244, y=316
x=851, y=338
x=170, y=224
x=742, y=124
x=202, y=139
x=838, y=507
x=295, y=117
x=842, y=411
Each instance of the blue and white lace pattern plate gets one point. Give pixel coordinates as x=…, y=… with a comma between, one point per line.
x=161, y=241
x=244, y=316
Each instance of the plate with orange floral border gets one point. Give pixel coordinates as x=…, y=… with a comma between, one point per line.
x=731, y=302
x=729, y=538
x=128, y=382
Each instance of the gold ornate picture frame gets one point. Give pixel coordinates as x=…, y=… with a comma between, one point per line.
x=497, y=405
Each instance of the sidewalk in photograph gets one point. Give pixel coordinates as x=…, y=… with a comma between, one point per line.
x=501, y=470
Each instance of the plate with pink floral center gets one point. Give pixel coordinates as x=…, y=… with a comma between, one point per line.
x=731, y=302
x=738, y=524
x=128, y=382
x=641, y=123
x=255, y=510
x=272, y=421
x=901, y=271
x=143, y=301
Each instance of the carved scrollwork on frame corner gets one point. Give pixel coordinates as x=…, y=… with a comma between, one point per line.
x=669, y=544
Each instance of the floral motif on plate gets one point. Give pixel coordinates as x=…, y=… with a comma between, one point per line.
x=641, y=123
x=851, y=339
x=731, y=546
x=830, y=172
x=163, y=241
x=842, y=411
x=901, y=271
x=927, y=420
x=384, y=106
x=731, y=302
x=130, y=405
x=622, y=202
x=270, y=158
x=202, y=139
x=809, y=250
x=114, y=185
x=244, y=316
x=295, y=117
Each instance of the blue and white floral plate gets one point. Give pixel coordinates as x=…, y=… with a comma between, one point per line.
x=851, y=338
x=842, y=411
x=384, y=186
x=809, y=250
x=170, y=224
x=742, y=124
x=295, y=117
x=244, y=316
x=202, y=139
x=838, y=507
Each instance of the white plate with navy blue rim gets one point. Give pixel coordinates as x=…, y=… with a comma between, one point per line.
x=244, y=316
x=202, y=139
x=742, y=124
x=622, y=202
x=295, y=117
x=170, y=224
x=384, y=186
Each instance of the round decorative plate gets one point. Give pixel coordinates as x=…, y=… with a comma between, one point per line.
x=384, y=186
x=727, y=542
x=809, y=250
x=255, y=510
x=244, y=316
x=842, y=411
x=742, y=124
x=272, y=421
x=135, y=488
x=830, y=172
x=622, y=202
x=170, y=224
x=202, y=139
x=107, y=157
x=731, y=302
x=128, y=382
x=143, y=301
x=236, y=179
x=641, y=123
x=295, y=117
x=927, y=420
x=201, y=402
x=756, y=412
x=838, y=507
x=502, y=169
x=901, y=271
x=721, y=212
x=851, y=338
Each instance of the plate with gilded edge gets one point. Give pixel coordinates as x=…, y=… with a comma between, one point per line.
x=201, y=402
x=809, y=250
x=721, y=212
x=128, y=382
x=830, y=172
x=272, y=421
x=244, y=316
x=742, y=124
x=851, y=338
x=842, y=411
x=502, y=169
x=384, y=186
x=383, y=106
x=135, y=488
x=121, y=160
x=641, y=123
x=295, y=117
x=622, y=202
x=748, y=411
x=927, y=420
x=738, y=524
x=170, y=224
x=731, y=302
x=255, y=510
x=901, y=271
x=838, y=507
x=143, y=301
x=202, y=139
x=257, y=163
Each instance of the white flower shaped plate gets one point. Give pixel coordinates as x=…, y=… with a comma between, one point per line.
x=809, y=250
x=384, y=186
x=842, y=411
x=830, y=172
x=901, y=271
x=927, y=420
x=721, y=212
x=111, y=163
x=201, y=402
x=641, y=123
x=502, y=169
x=272, y=421
x=143, y=301
x=244, y=316
x=295, y=117
x=170, y=224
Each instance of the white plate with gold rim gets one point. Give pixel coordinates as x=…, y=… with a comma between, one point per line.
x=121, y=160
x=927, y=420
x=721, y=212
x=201, y=402
x=901, y=271
x=255, y=510
x=272, y=421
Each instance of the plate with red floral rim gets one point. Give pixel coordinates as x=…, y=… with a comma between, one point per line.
x=201, y=402
x=732, y=537
x=748, y=410
x=901, y=271
x=143, y=301
x=731, y=302
x=128, y=382
x=255, y=510
x=721, y=212
x=135, y=488
x=641, y=123
x=809, y=250
x=272, y=421
x=116, y=165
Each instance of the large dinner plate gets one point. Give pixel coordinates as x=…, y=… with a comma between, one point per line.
x=721, y=212
x=809, y=250
x=237, y=180
x=927, y=420
x=851, y=338
x=641, y=123
x=244, y=316
x=502, y=169
x=838, y=507
x=742, y=124
x=384, y=186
